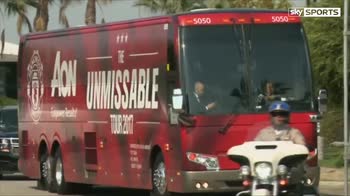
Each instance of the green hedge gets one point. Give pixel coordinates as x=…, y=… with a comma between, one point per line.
x=7, y=101
x=333, y=157
x=332, y=125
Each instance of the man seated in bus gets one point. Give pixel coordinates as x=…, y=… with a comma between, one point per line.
x=201, y=100
x=269, y=94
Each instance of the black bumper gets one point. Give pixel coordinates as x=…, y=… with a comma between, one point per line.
x=8, y=162
x=218, y=181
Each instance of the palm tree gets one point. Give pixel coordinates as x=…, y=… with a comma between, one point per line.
x=90, y=13
x=62, y=16
x=12, y=8
x=19, y=7
x=171, y=6
x=41, y=19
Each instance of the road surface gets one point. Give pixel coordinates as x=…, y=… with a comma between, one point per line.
x=17, y=185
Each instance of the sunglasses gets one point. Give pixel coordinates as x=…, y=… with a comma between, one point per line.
x=284, y=114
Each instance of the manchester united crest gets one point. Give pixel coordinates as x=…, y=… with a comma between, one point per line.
x=35, y=86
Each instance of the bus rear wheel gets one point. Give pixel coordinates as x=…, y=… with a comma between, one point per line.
x=45, y=181
x=62, y=186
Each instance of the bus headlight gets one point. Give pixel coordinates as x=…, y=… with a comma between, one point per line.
x=263, y=170
x=210, y=162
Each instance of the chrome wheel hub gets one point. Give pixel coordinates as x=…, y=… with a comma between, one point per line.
x=59, y=172
x=45, y=170
x=159, y=178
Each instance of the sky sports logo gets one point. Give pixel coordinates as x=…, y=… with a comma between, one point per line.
x=315, y=12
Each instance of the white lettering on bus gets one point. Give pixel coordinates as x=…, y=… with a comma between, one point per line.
x=122, y=124
x=122, y=89
x=64, y=113
x=202, y=20
x=65, y=70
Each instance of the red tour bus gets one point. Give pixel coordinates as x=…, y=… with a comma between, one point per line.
x=96, y=103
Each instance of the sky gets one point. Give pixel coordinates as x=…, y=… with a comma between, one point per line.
x=115, y=11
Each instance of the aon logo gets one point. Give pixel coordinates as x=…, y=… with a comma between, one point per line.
x=64, y=77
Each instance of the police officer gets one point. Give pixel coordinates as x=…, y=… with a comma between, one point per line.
x=280, y=129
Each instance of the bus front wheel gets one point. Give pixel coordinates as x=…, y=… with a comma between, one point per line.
x=159, y=177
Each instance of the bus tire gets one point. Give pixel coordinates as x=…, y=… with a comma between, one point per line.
x=61, y=185
x=45, y=181
x=159, y=183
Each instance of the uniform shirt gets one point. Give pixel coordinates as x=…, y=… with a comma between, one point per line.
x=288, y=134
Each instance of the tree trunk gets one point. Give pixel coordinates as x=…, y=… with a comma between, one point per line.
x=41, y=19
x=90, y=14
x=30, y=29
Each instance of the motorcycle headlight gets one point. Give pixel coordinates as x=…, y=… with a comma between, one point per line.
x=263, y=170
x=210, y=162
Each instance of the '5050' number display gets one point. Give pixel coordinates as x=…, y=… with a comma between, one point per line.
x=279, y=18
x=201, y=20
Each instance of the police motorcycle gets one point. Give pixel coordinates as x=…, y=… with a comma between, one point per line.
x=271, y=168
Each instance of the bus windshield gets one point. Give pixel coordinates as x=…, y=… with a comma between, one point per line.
x=246, y=67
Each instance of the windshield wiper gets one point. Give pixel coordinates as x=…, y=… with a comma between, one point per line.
x=250, y=39
x=238, y=39
x=252, y=63
x=224, y=129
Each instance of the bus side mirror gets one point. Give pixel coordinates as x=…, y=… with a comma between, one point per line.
x=177, y=113
x=322, y=101
x=175, y=106
x=177, y=99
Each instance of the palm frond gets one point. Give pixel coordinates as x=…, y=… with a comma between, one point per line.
x=62, y=16
x=19, y=24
